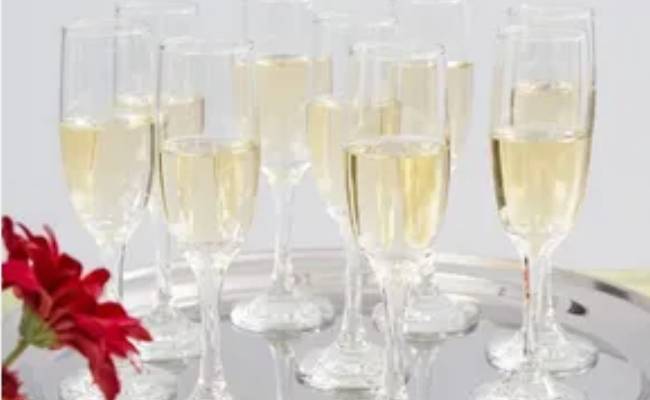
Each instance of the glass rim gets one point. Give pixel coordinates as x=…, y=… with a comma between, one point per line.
x=542, y=34
x=393, y=50
x=168, y=7
x=192, y=46
x=557, y=12
x=106, y=28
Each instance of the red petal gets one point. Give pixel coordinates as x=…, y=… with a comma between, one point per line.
x=17, y=273
x=95, y=281
x=129, y=325
x=51, y=238
x=14, y=243
x=105, y=376
x=10, y=385
x=101, y=366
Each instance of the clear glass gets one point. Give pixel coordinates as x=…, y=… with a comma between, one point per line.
x=397, y=174
x=351, y=362
x=540, y=141
x=209, y=175
x=175, y=336
x=282, y=70
x=562, y=353
x=107, y=147
x=431, y=315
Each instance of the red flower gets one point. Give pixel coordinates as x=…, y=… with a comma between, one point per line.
x=10, y=386
x=62, y=307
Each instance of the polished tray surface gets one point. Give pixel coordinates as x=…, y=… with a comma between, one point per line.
x=618, y=321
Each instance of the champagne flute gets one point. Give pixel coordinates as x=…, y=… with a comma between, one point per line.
x=283, y=69
x=351, y=362
x=541, y=145
x=209, y=178
x=431, y=315
x=561, y=353
x=175, y=336
x=397, y=173
x=107, y=145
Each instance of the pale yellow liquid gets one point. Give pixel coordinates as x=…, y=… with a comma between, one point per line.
x=417, y=94
x=108, y=168
x=396, y=194
x=540, y=181
x=209, y=188
x=283, y=86
x=329, y=125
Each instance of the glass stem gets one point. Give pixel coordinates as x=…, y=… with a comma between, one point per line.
x=113, y=255
x=534, y=296
x=163, y=265
x=283, y=358
x=424, y=372
x=209, y=275
x=428, y=285
x=394, y=294
x=352, y=333
x=548, y=313
x=282, y=277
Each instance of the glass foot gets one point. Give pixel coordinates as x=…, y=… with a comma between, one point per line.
x=434, y=318
x=560, y=353
x=210, y=392
x=339, y=367
x=527, y=385
x=288, y=313
x=175, y=336
x=151, y=384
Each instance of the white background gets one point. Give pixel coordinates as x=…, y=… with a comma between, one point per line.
x=612, y=231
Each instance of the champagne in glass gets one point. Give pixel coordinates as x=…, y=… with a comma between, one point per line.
x=562, y=353
x=107, y=164
x=540, y=180
x=283, y=69
x=540, y=145
x=401, y=217
x=431, y=315
x=351, y=362
x=209, y=178
x=174, y=335
x=107, y=138
x=397, y=182
x=283, y=83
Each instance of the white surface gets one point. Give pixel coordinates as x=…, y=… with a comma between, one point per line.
x=610, y=233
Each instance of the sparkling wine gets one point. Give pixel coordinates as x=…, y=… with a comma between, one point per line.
x=417, y=84
x=108, y=167
x=397, y=193
x=329, y=124
x=208, y=189
x=283, y=86
x=540, y=180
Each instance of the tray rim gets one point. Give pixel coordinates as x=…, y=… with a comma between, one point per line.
x=572, y=277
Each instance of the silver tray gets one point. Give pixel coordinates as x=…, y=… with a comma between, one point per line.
x=616, y=319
